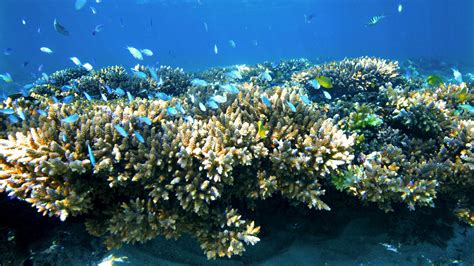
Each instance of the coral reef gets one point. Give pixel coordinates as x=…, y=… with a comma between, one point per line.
x=199, y=161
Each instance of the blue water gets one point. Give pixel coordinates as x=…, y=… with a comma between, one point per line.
x=262, y=30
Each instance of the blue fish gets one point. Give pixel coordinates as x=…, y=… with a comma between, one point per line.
x=171, y=111
x=305, y=99
x=68, y=99
x=66, y=87
x=13, y=119
x=230, y=88
x=7, y=111
x=109, y=90
x=467, y=107
x=153, y=73
x=71, y=118
x=63, y=136
x=145, y=120
x=188, y=119
x=91, y=155
x=163, y=96
x=21, y=114
x=180, y=108
x=88, y=97
x=121, y=131
x=139, y=136
x=292, y=107
x=219, y=98
x=140, y=74
x=130, y=97
x=103, y=97
x=266, y=101
x=199, y=83
x=119, y=91
x=41, y=112
x=55, y=100
x=212, y=104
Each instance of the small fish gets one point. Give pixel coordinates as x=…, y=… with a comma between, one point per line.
x=76, y=61
x=212, y=104
x=111, y=259
x=262, y=130
x=97, y=29
x=171, y=111
x=232, y=43
x=390, y=247
x=202, y=107
x=103, y=97
x=219, y=98
x=98, y=1
x=189, y=119
x=60, y=28
x=88, y=66
x=140, y=74
x=305, y=99
x=13, y=119
x=327, y=95
x=38, y=30
x=266, y=101
x=129, y=96
x=46, y=50
x=216, y=51
x=199, y=83
x=205, y=27
x=234, y=74
x=7, y=51
x=325, y=82
x=145, y=120
x=180, y=108
x=255, y=42
x=135, y=53
x=70, y=119
x=163, y=96
x=93, y=10
x=88, y=97
x=25, y=64
x=121, y=131
x=230, y=88
x=91, y=155
x=55, y=100
x=139, y=136
x=21, y=114
x=153, y=74
x=6, y=77
x=122, y=24
x=7, y=111
x=41, y=112
x=68, y=99
x=292, y=107
x=40, y=68
x=467, y=107
x=108, y=89
x=119, y=91
x=315, y=84
x=400, y=8
x=23, y=21
x=457, y=75
x=147, y=52
x=375, y=20
x=265, y=75
x=80, y=4
x=434, y=80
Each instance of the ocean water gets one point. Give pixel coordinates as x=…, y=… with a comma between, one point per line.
x=431, y=37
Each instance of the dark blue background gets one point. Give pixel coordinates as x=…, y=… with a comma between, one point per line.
x=438, y=29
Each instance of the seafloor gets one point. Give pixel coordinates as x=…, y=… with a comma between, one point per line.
x=359, y=161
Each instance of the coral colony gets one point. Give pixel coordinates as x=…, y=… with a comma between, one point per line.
x=164, y=152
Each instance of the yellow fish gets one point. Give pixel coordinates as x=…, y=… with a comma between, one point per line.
x=262, y=131
x=324, y=81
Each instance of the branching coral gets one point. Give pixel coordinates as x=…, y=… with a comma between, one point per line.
x=197, y=163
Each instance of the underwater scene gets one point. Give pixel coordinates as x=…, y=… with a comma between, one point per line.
x=236, y=132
